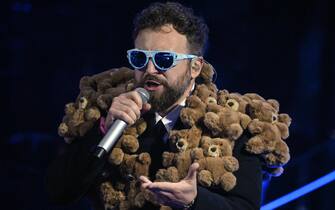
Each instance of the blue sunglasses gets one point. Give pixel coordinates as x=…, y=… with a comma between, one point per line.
x=163, y=60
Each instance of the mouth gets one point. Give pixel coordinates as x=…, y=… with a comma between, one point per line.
x=152, y=85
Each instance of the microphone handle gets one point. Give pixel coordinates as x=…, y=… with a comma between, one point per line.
x=111, y=137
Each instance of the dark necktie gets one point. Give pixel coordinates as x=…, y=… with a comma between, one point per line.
x=151, y=141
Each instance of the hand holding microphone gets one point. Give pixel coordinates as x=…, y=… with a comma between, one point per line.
x=125, y=110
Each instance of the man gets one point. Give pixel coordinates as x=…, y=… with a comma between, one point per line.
x=167, y=58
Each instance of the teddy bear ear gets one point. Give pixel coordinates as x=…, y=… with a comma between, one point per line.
x=206, y=74
x=285, y=118
x=274, y=103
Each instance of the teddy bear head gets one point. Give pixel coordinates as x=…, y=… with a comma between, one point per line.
x=234, y=101
x=263, y=110
x=216, y=147
x=227, y=123
x=206, y=93
x=207, y=73
x=194, y=112
x=181, y=140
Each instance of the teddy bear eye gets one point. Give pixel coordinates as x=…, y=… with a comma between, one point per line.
x=274, y=118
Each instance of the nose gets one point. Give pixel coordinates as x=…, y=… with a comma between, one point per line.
x=151, y=69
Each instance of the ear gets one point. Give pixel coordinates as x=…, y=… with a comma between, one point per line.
x=196, y=66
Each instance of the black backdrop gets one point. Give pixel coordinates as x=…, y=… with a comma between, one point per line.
x=279, y=49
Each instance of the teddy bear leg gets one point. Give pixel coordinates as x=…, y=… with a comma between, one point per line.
x=205, y=178
x=139, y=200
x=255, y=145
x=167, y=175
x=230, y=163
x=234, y=131
x=227, y=181
x=116, y=156
x=168, y=158
x=130, y=143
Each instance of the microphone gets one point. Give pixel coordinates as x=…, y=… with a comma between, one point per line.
x=116, y=130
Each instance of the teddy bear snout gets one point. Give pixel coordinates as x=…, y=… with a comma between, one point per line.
x=213, y=151
x=181, y=144
x=211, y=100
x=233, y=104
x=83, y=102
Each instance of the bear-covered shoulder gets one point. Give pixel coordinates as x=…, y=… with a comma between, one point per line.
x=94, y=99
x=221, y=114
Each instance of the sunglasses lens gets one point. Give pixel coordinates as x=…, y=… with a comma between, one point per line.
x=138, y=59
x=164, y=60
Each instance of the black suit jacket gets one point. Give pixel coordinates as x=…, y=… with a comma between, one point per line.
x=64, y=184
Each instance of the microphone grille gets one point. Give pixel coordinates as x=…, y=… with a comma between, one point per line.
x=145, y=96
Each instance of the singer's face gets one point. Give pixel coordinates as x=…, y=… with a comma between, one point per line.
x=166, y=88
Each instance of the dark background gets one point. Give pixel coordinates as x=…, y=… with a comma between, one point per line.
x=279, y=49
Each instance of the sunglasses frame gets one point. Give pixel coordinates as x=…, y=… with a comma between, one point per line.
x=151, y=54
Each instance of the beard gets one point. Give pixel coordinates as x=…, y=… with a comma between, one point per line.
x=160, y=102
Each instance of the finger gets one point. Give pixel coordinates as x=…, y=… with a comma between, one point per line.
x=192, y=172
x=135, y=96
x=130, y=111
x=145, y=182
x=109, y=120
x=131, y=105
x=119, y=114
x=164, y=186
x=127, y=105
x=144, y=179
x=146, y=107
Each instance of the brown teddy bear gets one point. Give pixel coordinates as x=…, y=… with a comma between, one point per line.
x=214, y=171
x=203, y=95
x=226, y=123
x=207, y=93
x=217, y=163
x=269, y=129
x=194, y=112
x=110, y=196
x=267, y=140
x=79, y=118
x=182, y=142
x=206, y=75
x=94, y=99
x=235, y=101
x=103, y=87
x=267, y=111
x=217, y=147
x=128, y=143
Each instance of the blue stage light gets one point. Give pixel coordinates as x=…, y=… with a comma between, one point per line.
x=300, y=192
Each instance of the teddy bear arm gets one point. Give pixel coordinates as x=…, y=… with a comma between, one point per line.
x=227, y=181
x=205, y=178
x=284, y=132
x=168, y=159
x=256, y=145
x=197, y=154
x=255, y=126
x=116, y=156
x=244, y=120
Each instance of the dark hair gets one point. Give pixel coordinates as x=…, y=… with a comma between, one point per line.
x=182, y=19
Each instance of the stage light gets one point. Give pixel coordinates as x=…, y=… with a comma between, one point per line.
x=300, y=192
